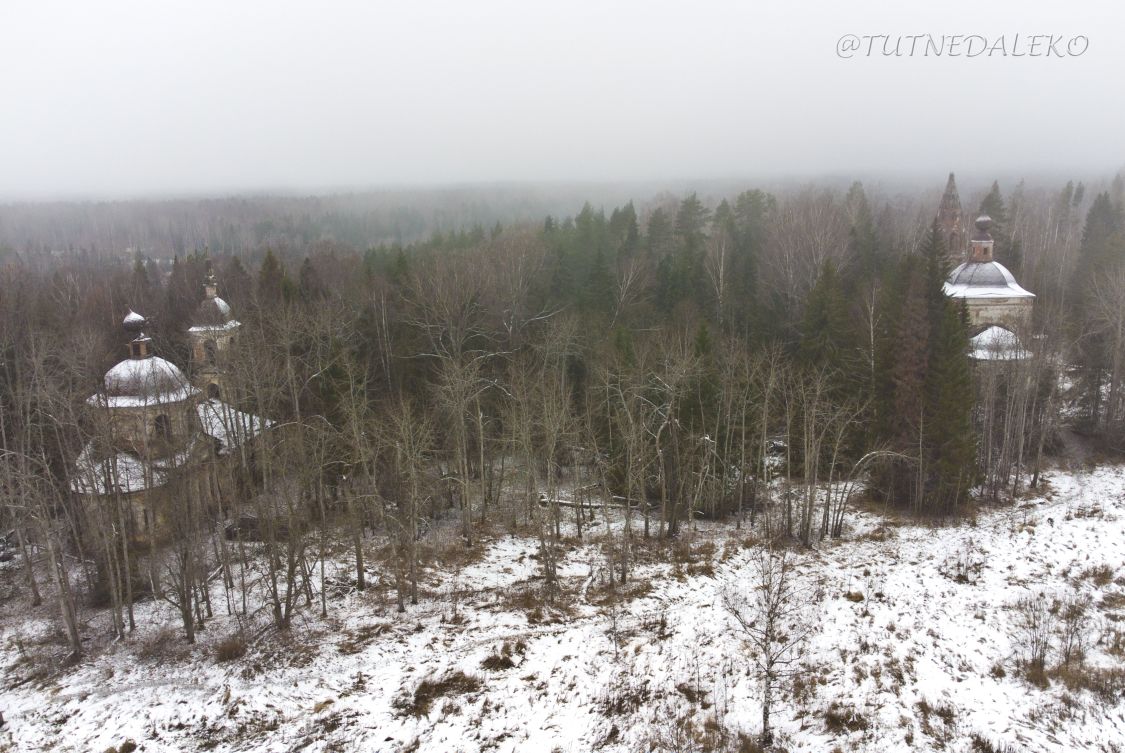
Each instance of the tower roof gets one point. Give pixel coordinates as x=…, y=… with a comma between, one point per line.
x=149, y=380
x=212, y=312
x=989, y=279
x=949, y=221
x=983, y=225
x=142, y=379
x=950, y=200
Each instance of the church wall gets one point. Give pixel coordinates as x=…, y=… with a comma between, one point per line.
x=206, y=373
x=136, y=427
x=1011, y=313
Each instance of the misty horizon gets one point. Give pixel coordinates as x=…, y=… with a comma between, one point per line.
x=127, y=101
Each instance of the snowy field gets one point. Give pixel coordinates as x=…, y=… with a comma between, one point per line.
x=914, y=649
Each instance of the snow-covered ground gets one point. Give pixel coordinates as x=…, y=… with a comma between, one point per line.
x=913, y=650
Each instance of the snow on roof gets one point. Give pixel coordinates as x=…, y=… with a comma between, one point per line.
x=139, y=382
x=987, y=279
x=212, y=311
x=96, y=472
x=133, y=318
x=229, y=425
x=133, y=401
x=998, y=344
x=232, y=324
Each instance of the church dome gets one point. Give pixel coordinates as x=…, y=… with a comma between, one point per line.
x=146, y=381
x=985, y=279
x=997, y=344
x=212, y=311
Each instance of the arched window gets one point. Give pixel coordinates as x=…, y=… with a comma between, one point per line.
x=212, y=391
x=210, y=351
x=162, y=428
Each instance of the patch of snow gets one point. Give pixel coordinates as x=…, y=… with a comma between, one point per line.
x=895, y=629
x=998, y=344
x=229, y=425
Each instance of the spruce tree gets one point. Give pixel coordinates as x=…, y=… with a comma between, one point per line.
x=1004, y=249
x=826, y=335
x=950, y=438
x=1102, y=249
x=271, y=280
x=309, y=284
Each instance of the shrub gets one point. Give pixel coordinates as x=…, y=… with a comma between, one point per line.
x=1107, y=684
x=429, y=690
x=231, y=648
x=1034, y=628
x=358, y=639
x=623, y=696
x=839, y=719
x=1101, y=575
x=1074, y=628
x=982, y=745
x=502, y=659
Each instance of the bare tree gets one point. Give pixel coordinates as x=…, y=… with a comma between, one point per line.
x=774, y=618
x=406, y=437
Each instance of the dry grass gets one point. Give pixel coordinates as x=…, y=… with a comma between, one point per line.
x=624, y=696
x=841, y=720
x=620, y=593
x=230, y=648
x=1100, y=575
x=502, y=659
x=1113, y=601
x=942, y=712
x=166, y=644
x=452, y=684
x=1107, y=684
x=690, y=558
x=360, y=638
x=981, y=745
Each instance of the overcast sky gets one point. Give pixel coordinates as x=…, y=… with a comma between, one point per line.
x=121, y=98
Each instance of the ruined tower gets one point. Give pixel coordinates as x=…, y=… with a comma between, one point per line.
x=212, y=334
x=951, y=224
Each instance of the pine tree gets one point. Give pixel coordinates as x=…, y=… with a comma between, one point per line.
x=658, y=234
x=310, y=286
x=624, y=231
x=826, y=335
x=751, y=210
x=911, y=359
x=691, y=226
x=1102, y=249
x=930, y=419
x=993, y=206
x=949, y=393
x=598, y=291
x=271, y=280
x=141, y=291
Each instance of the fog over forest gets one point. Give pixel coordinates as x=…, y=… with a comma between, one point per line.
x=125, y=99
x=506, y=377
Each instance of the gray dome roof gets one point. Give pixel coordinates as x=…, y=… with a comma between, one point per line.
x=151, y=379
x=212, y=312
x=989, y=273
x=984, y=279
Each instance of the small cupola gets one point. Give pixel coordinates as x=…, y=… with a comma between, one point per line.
x=980, y=246
x=210, y=286
x=141, y=345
